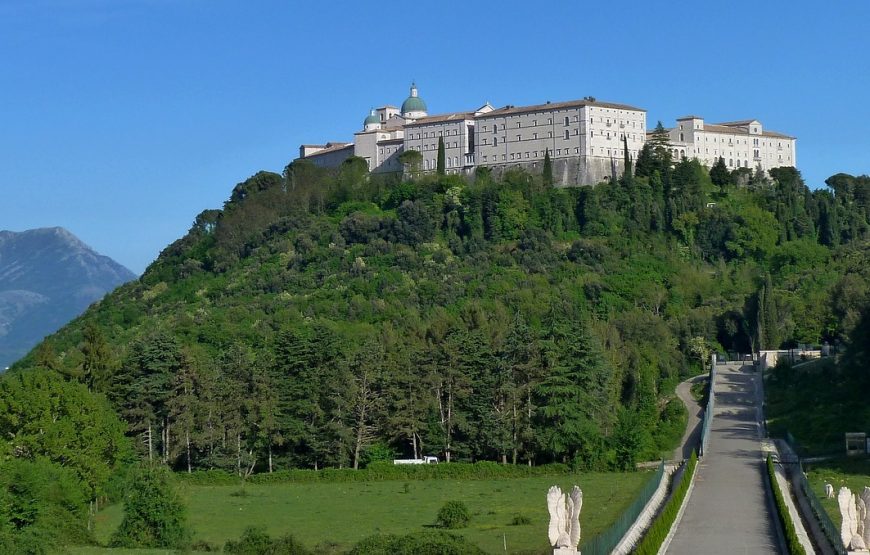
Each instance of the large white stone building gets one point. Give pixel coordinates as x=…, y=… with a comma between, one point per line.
x=586, y=139
x=741, y=144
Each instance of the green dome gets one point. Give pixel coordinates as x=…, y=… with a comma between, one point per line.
x=372, y=119
x=413, y=104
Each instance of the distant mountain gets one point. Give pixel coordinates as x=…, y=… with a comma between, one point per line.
x=47, y=277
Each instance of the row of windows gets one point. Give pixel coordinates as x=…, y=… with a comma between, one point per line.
x=427, y=134
x=755, y=142
x=559, y=152
x=450, y=162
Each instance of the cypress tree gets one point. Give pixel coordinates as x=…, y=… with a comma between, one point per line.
x=548, y=169
x=440, y=168
x=627, y=161
x=719, y=174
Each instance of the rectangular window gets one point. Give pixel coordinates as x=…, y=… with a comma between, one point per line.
x=527, y=155
x=534, y=135
x=503, y=157
x=549, y=134
x=519, y=138
x=484, y=157
x=549, y=121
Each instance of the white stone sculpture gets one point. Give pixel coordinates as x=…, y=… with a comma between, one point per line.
x=564, y=528
x=829, y=491
x=865, y=532
x=854, y=514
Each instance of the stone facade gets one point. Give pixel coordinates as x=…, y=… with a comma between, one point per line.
x=742, y=144
x=586, y=139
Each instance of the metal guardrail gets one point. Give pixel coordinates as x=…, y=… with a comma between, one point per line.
x=708, y=411
x=605, y=542
x=828, y=527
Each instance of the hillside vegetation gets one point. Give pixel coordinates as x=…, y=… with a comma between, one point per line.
x=334, y=318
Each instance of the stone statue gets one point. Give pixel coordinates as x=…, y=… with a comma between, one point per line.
x=853, y=511
x=564, y=529
x=865, y=532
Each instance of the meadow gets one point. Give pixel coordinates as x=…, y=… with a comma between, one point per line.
x=853, y=473
x=334, y=516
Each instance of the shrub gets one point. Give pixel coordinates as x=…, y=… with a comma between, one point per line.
x=428, y=542
x=454, y=514
x=520, y=520
x=255, y=541
x=791, y=538
x=661, y=526
x=42, y=507
x=153, y=513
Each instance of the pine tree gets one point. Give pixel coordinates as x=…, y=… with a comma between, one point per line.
x=548, y=169
x=719, y=174
x=441, y=163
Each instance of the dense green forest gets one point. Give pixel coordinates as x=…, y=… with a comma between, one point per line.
x=329, y=318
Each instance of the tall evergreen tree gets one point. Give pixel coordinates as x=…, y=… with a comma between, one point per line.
x=548, y=169
x=719, y=174
x=97, y=362
x=441, y=162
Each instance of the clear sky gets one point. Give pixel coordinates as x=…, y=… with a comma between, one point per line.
x=122, y=119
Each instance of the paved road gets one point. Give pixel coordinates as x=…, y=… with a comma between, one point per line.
x=693, y=428
x=727, y=512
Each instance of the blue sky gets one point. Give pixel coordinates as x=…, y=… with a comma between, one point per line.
x=122, y=119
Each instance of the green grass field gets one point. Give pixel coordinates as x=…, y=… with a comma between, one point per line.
x=854, y=473
x=335, y=516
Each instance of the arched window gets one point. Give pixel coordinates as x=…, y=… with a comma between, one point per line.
x=681, y=138
x=427, y=164
x=495, y=141
x=567, y=133
x=730, y=162
x=566, y=120
x=456, y=161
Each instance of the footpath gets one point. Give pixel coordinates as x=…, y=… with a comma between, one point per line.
x=728, y=511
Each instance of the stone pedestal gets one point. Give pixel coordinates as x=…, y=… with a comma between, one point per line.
x=565, y=551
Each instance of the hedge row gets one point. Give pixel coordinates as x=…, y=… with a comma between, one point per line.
x=381, y=471
x=791, y=539
x=655, y=536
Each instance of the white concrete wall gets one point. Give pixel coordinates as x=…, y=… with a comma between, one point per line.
x=742, y=147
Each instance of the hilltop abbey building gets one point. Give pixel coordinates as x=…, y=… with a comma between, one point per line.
x=586, y=139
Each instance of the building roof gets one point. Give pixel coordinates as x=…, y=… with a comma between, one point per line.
x=388, y=106
x=372, y=118
x=689, y=117
x=735, y=130
x=387, y=141
x=329, y=147
x=739, y=123
x=441, y=118
x=506, y=110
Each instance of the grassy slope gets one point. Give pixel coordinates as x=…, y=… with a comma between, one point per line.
x=815, y=405
x=812, y=402
x=852, y=473
x=344, y=513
